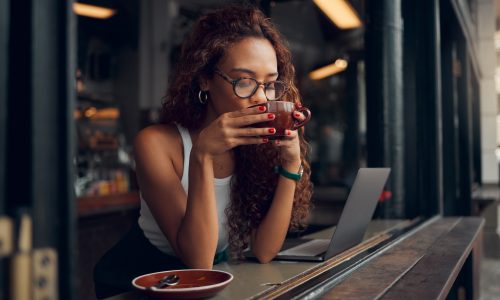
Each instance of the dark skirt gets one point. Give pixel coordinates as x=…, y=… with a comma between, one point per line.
x=132, y=256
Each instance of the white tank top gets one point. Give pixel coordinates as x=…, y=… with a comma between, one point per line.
x=222, y=193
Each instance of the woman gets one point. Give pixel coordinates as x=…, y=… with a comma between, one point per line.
x=206, y=177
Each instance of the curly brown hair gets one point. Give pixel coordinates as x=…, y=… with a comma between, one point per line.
x=254, y=180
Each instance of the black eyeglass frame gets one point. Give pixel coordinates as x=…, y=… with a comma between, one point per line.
x=234, y=82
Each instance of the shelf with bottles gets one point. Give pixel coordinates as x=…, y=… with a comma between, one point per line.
x=104, y=170
x=103, y=158
x=97, y=180
x=97, y=126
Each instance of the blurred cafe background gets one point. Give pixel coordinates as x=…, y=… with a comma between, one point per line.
x=408, y=84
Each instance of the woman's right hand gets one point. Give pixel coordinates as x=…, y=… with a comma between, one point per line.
x=232, y=129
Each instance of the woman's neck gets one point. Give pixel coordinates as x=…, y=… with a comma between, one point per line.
x=210, y=116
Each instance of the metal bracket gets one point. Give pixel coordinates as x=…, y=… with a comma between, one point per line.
x=21, y=262
x=6, y=236
x=45, y=281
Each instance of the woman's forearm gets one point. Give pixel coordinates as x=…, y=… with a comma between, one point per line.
x=268, y=239
x=198, y=234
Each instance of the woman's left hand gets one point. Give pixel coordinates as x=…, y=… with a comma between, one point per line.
x=290, y=144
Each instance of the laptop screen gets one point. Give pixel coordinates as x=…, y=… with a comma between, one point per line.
x=358, y=209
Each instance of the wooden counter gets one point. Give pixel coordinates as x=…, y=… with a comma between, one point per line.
x=423, y=266
x=96, y=205
x=423, y=263
x=102, y=221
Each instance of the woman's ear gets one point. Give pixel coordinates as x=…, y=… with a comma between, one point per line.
x=204, y=85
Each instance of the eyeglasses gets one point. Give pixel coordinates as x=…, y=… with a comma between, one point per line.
x=246, y=87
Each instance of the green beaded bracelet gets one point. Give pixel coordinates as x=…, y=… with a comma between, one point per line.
x=293, y=176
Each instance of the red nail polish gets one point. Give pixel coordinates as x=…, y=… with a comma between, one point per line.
x=277, y=142
x=271, y=130
x=270, y=116
x=288, y=132
x=265, y=140
x=262, y=108
x=297, y=115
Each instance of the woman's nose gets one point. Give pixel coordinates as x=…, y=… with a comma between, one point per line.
x=259, y=96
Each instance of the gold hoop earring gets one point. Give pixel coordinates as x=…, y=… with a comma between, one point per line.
x=203, y=97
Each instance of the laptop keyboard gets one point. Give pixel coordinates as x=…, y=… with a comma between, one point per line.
x=311, y=248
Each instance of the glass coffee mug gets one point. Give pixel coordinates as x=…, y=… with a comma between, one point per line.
x=283, y=110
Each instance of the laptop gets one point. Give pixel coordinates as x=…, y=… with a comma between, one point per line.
x=356, y=215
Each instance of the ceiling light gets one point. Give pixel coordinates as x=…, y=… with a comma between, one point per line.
x=340, y=12
x=338, y=66
x=93, y=11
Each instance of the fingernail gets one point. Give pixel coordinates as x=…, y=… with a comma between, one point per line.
x=277, y=142
x=265, y=140
x=262, y=108
x=299, y=105
x=297, y=115
x=288, y=132
x=270, y=116
x=271, y=130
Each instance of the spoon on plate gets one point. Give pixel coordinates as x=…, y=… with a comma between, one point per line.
x=166, y=281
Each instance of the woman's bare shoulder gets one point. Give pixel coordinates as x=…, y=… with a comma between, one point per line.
x=157, y=149
x=159, y=137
